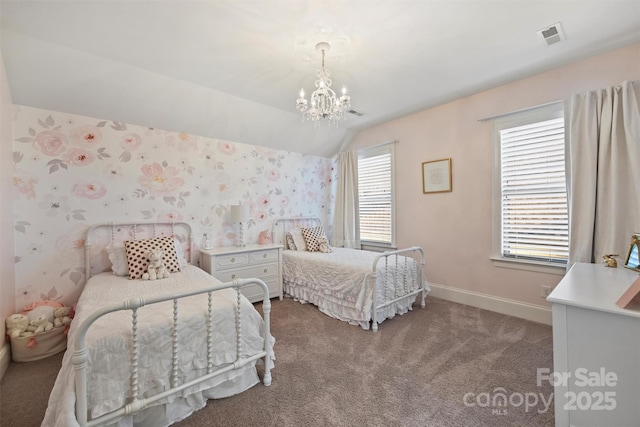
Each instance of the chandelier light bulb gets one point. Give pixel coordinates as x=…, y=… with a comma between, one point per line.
x=344, y=90
x=301, y=93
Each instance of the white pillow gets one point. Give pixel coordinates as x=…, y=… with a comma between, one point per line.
x=180, y=253
x=118, y=257
x=298, y=240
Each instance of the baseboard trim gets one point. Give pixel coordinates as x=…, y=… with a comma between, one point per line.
x=506, y=306
x=5, y=359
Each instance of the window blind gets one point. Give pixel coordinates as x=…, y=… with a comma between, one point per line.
x=375, y=198
x=534, y=200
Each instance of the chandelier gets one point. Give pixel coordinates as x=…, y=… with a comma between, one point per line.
x=324, y=102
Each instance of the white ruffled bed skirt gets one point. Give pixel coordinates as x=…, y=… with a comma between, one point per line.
x=333, y=306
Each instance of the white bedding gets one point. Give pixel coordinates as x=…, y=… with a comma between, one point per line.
x=109, y=346
x=337, y=283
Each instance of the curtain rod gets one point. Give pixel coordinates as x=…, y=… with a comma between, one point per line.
x=497, y=116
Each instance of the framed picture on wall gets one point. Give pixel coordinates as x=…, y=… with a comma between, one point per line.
x=436, y=176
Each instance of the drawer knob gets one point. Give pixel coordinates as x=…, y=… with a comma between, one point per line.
x=265, y=270
x=233, y=276
x=233, y=260
x=264, y=255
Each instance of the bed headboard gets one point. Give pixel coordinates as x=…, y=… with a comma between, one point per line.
x=100, y=235
x=282, y=226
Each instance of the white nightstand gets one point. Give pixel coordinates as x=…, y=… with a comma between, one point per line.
x=252, y=261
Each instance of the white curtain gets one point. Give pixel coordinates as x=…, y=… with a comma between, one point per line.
x=345, y=219
x=603, y=172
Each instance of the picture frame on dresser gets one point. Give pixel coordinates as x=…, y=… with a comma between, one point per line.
x=253, y=261
x=633, y=257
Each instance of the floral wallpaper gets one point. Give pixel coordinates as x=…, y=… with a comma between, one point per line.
x=73, y=171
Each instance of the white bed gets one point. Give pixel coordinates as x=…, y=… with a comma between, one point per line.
x=148, y=375
x=342, y=283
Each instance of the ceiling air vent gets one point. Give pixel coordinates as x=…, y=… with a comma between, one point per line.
x=552, y=35
x=356, y=113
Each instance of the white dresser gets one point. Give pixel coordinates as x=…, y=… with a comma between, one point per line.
x=596, y=349
x=252, y=261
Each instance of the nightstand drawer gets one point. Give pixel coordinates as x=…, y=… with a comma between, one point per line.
x=226, y=261
x=264, y=256
x=253, y=261
x=258, y=272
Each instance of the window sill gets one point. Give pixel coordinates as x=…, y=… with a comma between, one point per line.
x=527, y=265
x=376, y=247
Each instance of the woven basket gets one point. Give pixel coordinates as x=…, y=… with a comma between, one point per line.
x=36, y=347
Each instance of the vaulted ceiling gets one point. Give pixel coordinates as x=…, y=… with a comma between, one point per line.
x=232, y=69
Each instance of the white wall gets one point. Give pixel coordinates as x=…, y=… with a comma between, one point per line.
x=7, y=276
x=455, y=228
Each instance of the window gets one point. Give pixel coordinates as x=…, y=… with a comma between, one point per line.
x=375, y=195
x=533, y=221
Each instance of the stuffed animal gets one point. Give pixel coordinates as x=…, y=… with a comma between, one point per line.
x=17, y=325
x=43, y=310
x=156, y=268
x=323, y=244
x=62, y=316
x=41, y=324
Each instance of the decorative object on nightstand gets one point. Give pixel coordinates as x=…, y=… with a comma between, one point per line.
x=264, y=238
x=252, y=261
x=240, y=214
x=610, y=261
x=207, y=242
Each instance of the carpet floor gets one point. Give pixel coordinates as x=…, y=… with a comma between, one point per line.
x=445, y=365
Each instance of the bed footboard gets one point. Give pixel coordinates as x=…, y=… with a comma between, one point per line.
x=138, y=403
x=402, y=278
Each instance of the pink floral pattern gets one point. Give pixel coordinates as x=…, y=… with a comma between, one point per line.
x=130, y=141
x=25, y=185
x=160, y=180
x=79, y=157
x=187, y=142
x=86, y=136
x=89, y=190
x=171, y=216
x=51, y=142
x=263, y=201
x=74, y=171
x=227, y=148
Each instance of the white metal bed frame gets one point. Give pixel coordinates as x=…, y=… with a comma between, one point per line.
x=80, y=357
x=401, y=288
